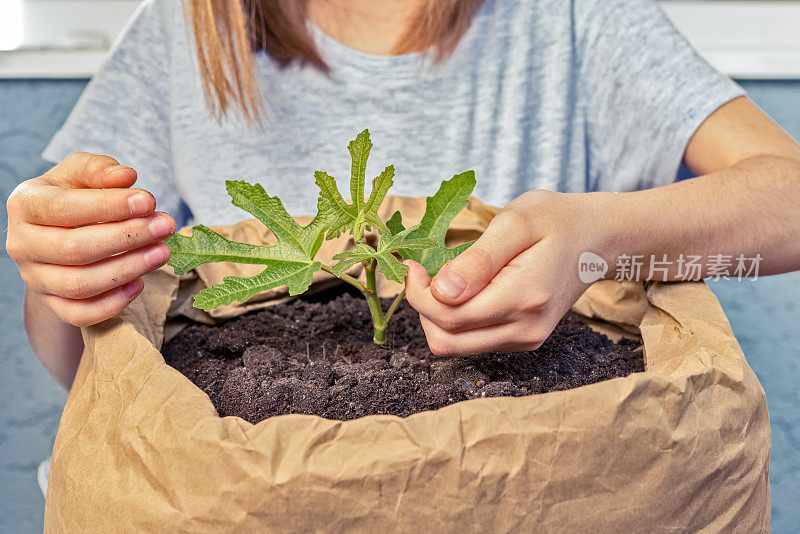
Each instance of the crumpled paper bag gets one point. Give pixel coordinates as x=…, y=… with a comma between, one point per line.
x=682, y=447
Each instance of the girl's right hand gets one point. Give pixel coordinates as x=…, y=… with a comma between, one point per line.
x=82, y=238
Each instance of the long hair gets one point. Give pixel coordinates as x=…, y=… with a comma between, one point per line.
x=227, y=32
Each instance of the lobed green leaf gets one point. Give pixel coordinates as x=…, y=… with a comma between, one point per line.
x=294, y=241
x=297, y=276
x=351, y=257
x=343, y=213
x=440, y=210
x=290, y=262
x=380, y=187
x=359, y=153
x=207, y=246
x=358, y=214
x=388, y=264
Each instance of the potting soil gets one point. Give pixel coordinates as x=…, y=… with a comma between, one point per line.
x=315, y=356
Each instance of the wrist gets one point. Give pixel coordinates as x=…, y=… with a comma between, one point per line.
x=602, y=228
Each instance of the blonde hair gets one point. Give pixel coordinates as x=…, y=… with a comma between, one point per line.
x=227, y=32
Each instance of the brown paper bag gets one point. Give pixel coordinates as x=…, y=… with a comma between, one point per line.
x=681, y=447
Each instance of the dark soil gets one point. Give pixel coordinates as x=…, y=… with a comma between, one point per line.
x=315, y=355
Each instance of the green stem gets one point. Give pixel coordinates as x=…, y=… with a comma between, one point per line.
x=378, y=320
x=397, y=300
x=345, y=278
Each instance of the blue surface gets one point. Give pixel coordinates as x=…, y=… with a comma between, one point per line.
x=764, y=315
x=30, y=401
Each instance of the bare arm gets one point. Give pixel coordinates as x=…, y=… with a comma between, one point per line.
x=57, y=344
x=81, y=239
x=508, y=290
x=745, y=200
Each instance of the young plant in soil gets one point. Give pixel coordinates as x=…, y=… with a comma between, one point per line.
x=291, y=262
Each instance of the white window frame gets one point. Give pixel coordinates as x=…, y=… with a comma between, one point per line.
x=746, y=40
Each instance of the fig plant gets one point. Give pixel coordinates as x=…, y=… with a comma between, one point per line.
x=292, y=260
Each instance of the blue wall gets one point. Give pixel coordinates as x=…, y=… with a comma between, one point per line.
x=30, y=401
x=764, y=316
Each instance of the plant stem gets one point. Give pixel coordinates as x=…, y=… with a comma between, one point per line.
x=397, y=300
x=346, y=278
x=378, y=320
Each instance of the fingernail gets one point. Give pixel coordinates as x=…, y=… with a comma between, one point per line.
x=139, y=204
x=157, y=256
x=450, y=284
x=160, y=227
x=132, y=289
x=114, y=168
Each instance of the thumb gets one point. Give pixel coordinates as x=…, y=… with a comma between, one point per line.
x=471, y=271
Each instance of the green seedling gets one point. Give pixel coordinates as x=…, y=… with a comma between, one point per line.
x=292, y=261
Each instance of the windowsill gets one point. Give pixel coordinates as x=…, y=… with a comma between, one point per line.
x=50, y=63
x=746, y=40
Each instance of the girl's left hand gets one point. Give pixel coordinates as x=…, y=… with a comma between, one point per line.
x=508, y=291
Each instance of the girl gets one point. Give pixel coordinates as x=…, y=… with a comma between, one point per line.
x=554, y=103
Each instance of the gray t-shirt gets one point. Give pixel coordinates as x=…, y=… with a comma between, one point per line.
x=567, y=95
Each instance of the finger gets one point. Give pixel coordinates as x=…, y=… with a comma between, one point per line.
x=494, y=305
x=90, y=171
x=57, y=206
x=499, y=338
x=417, y=278
x=462, y=278
x=89, y=244
x=82, y=282
x=86, y=312
x=418, y=292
